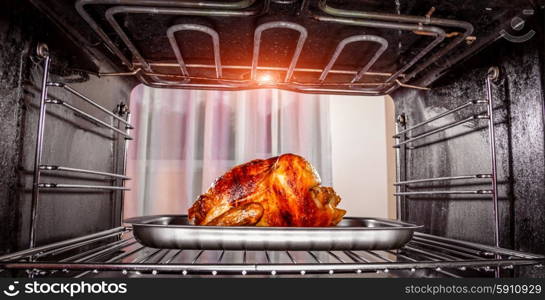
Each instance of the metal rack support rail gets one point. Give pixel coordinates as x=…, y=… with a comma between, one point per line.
x=88, y=100
x=75, y=241
x=37, y=185
x=443, y=128
x=476, y=176
x=88, y=116
x=75, y=170
x=493, y=74
x=441, y=115
x=402, y=140
x=469, y=192
x=39, y=147
x=79, y=186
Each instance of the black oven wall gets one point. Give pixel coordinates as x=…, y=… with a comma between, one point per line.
x=70, y=140
x=462, y=150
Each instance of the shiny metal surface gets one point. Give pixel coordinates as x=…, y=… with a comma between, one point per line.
x=88, y=116
x=461, y=177
x=468, y=192
x=170, y=64
x=38, y=155
x=74, y=92
x=84, y=171
x=493, y=73
x=443, y=128
x=75, y=241
x=441, y=115
x=115, y=252
x=80, y=186
x=356, y=38
x=39, y=167
x=295, y=57
x=194, y=27
x=98, y=255
x=175, y=232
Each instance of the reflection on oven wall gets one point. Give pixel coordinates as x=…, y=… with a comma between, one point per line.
x=185, y=139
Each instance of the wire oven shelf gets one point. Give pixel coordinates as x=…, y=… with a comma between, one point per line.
x=117, y=251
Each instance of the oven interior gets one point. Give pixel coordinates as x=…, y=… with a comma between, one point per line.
x=472, y=173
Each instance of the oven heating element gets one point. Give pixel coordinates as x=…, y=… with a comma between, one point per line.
x=144, y=71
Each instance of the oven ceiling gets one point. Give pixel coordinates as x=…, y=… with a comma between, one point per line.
x=394, y=49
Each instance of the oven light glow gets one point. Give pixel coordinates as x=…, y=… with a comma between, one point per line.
x=266, y=78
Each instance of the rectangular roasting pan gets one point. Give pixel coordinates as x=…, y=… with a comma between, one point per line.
x=175, y=232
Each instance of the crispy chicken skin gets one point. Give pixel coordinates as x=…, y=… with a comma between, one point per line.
x=279, y=191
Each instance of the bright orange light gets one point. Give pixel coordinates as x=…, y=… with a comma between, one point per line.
x=266, y=78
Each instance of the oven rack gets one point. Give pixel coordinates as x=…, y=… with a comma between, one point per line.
x=405, y=141
x=119, y=126
x=180, y=77
x=116, y=250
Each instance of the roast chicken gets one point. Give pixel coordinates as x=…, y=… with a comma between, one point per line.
x=279, y=191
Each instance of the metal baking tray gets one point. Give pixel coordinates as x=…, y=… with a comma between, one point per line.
x=175, y=232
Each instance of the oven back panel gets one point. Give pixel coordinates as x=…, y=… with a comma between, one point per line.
x=519, y=126
x=70, y=140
